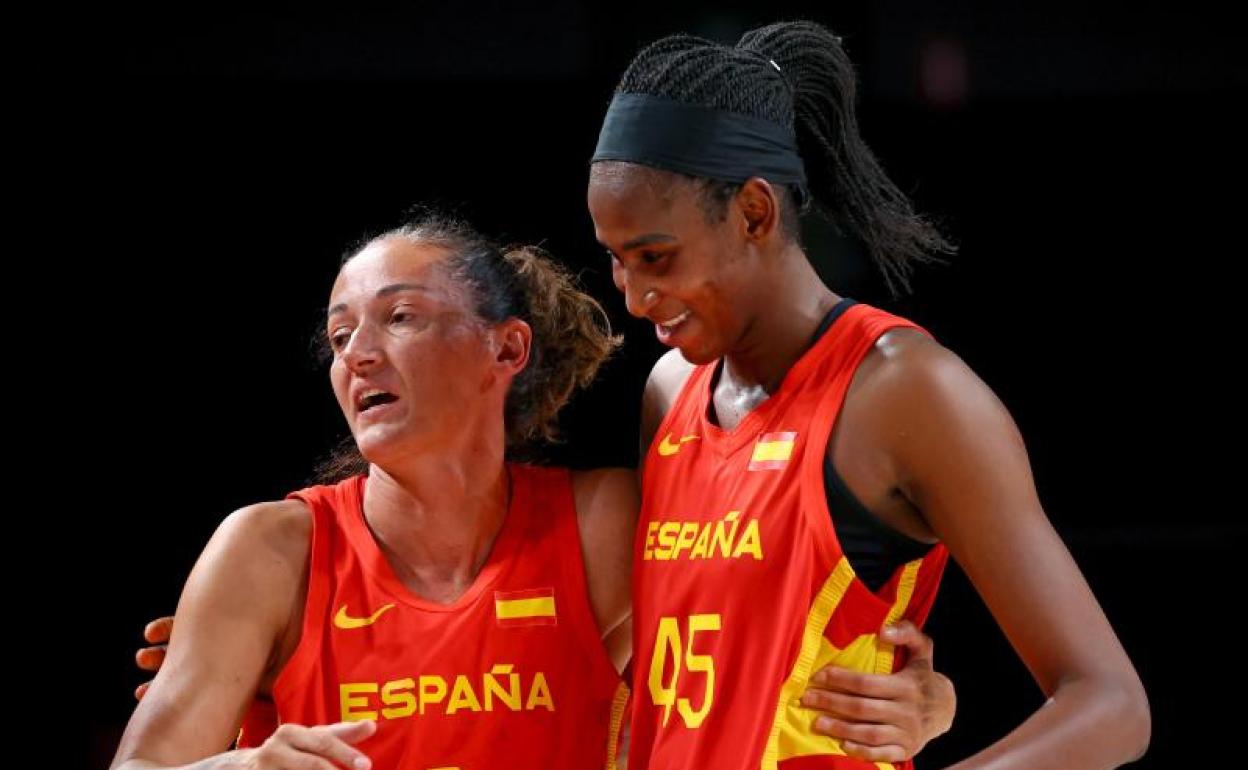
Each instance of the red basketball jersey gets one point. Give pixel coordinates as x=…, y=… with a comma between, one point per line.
x=740, y=589
x=512, y=674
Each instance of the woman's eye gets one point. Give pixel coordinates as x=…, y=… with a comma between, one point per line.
x=402, y=315
x=338, y=340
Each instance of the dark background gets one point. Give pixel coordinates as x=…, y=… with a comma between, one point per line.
x=1085, y=157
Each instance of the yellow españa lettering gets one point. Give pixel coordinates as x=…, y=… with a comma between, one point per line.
x=701, y=546
x=750, y=542
x=724, y=538
x=349, y=696
x=462, y=696
x=667, y=539
x=432, y=690
x=684, y=540
x=399, y=700
x=539, y=694
x=500, y=688
x=510, y=697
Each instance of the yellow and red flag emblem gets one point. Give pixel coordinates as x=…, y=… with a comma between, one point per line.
x=772, y=451
x=531, y=607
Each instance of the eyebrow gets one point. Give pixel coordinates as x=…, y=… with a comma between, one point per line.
x=647, y=239
x=384, y=291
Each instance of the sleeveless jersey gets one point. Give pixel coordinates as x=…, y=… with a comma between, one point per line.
x=740, y=589
x=513, y=673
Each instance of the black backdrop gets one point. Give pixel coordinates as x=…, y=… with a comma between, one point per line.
x=1073, y=151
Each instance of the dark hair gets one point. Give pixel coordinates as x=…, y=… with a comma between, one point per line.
x=571, y=332
x=796, y=74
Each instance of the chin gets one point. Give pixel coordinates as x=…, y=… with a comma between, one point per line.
x=377, y=446
x=701, y=355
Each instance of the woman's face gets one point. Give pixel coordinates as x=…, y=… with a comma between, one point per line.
x=413, y=365
x=692, y=276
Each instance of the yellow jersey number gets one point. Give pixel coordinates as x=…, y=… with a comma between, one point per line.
x=669, y=643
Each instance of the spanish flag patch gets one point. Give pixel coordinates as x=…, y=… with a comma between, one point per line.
x=532, y=607
x=772, y=451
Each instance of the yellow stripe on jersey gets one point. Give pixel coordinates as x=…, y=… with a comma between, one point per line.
x=828, y=599
x=791, y=734
x=617, y=721
x=540, y=607
x=905, y=590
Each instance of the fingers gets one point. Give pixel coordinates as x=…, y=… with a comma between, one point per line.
x=352, y=732
x=884, y=717
x=150, y=658
x=882, y=741
x=856, y=708
x=897, y=686
x=276, y=755
x=905, y=634
x=891, y=753
x=158, y=631
x=879, y=686
x=330, y=742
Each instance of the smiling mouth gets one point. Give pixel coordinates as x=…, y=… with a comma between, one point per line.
x=673, y=322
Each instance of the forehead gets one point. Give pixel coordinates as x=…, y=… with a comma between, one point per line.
x=625, y=196
x=390, y=261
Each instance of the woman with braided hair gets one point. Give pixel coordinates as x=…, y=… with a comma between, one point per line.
x=810, y=462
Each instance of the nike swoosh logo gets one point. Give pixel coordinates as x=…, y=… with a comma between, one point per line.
x=343, y=620
x=667, y=448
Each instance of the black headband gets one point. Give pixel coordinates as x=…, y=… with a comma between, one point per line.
x=698, y=141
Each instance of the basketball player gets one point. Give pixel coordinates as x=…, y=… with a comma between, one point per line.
x=811, y=462
x=449, y=608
